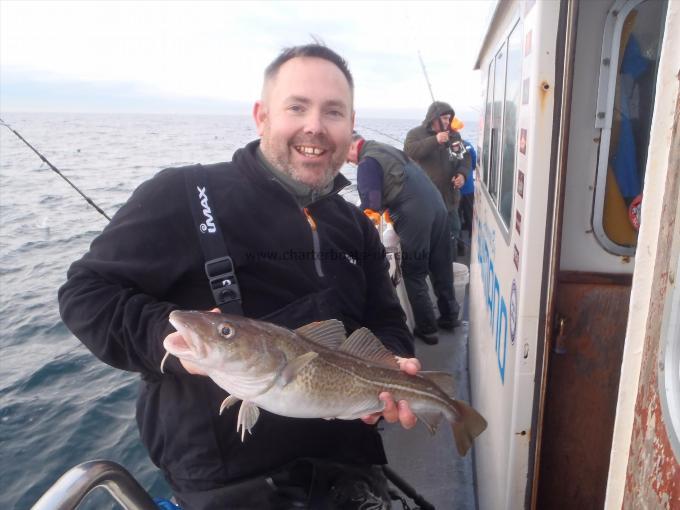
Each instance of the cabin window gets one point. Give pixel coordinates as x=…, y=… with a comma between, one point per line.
x=500, y=123
x=497, y=122
x=487, y=124
x=630, y=56
x=512, y=100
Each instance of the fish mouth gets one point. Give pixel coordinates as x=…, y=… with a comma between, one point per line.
x=188, y=345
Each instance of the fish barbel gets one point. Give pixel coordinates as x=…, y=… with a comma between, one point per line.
x=312, y=372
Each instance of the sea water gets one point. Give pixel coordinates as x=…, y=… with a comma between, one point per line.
x=59, y=405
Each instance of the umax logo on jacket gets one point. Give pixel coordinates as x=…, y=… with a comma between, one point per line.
x=209, y=225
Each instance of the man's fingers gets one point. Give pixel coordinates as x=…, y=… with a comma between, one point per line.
x=406, y=417
x=409, y=365
x=390, y=412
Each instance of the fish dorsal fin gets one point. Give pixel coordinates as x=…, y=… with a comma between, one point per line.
x=365, y=345
x=444, y=380
x=330, y=333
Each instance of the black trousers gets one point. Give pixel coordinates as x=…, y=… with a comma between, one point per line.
x=465, y=209
x=304, y=484
x=421, y=221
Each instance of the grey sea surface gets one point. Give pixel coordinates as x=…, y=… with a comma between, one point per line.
x=59, y=405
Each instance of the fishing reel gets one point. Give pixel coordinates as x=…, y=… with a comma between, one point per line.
x=457, y=149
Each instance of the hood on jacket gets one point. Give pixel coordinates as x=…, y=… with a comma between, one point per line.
x=437, y=109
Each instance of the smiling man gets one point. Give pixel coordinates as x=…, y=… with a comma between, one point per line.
x=305, y=118
x=268, y=236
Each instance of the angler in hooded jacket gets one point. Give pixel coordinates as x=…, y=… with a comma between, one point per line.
x=301, y=254
x=428, y=144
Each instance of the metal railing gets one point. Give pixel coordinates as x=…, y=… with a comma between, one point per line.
x=74, y=485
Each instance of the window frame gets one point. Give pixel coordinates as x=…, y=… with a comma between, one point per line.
x=606, y=92
x=485, y=174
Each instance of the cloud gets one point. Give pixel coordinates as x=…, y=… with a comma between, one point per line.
x=216, y=51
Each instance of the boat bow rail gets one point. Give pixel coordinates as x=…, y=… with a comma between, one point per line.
x=70, y=490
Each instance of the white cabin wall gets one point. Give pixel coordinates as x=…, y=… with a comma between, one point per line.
x=491, y=396
x=502, y=451
x=542, y=21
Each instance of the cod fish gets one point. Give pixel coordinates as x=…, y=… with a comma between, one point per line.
x=312, y=372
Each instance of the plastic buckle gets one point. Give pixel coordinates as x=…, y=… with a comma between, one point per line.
x=222, y=278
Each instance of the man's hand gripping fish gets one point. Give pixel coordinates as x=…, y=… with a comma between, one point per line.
x=312, y=372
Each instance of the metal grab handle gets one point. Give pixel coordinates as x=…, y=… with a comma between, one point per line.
x=70, y=490
x=560, y=345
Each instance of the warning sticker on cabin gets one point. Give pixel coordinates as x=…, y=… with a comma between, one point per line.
x=520, y=183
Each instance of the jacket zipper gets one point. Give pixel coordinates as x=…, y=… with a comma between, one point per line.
x=315, y=241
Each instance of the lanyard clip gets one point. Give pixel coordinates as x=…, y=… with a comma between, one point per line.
x=222, y=278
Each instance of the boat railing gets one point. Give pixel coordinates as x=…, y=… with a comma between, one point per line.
x=74, y=485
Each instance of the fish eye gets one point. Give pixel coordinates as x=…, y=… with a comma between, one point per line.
x=226, y=330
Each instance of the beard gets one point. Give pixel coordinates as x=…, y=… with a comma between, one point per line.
x=315, y=174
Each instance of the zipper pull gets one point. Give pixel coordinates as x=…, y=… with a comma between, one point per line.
x=310, y=220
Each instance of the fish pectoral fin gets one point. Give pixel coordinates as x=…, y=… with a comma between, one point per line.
x=430, y=419
x=228, y=402
x=247, y=417
x=292, y=369
x=444, y=380
x=330, y=333
x=365, y=345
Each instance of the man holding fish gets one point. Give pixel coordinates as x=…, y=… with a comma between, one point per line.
x=301, y=255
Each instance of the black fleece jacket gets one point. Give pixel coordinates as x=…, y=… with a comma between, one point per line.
x=148, y=261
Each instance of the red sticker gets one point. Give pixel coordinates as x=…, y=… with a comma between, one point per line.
x=515, y=257
x=518, y=222
x=635, y=212
x=523, y=141
x=520, y=183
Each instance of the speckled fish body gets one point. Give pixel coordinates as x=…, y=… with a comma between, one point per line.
x=312, y=372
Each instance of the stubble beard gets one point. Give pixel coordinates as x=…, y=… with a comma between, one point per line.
x=278, y=156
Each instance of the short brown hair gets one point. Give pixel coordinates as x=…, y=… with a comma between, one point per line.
x=314, y=50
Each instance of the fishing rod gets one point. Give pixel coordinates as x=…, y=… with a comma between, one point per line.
x=427, y=78
x=380, y=132
x=56, y=170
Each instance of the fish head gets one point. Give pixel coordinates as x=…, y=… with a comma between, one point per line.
x=215, y=340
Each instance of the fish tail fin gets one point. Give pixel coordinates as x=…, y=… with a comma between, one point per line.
x=466, y=426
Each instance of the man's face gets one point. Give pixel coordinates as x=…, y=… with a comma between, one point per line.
x=442, y=123
x=305, y=120
x=353, y=153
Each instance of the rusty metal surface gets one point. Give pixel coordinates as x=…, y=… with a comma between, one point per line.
x=581, y=396
x=653, y=474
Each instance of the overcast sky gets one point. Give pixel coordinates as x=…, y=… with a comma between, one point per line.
x=208, y=57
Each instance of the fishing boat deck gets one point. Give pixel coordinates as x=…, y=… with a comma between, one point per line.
x=431, y=464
